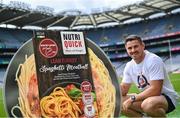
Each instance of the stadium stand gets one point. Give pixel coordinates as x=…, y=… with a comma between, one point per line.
x=21, y=35
x=150, y=28
x=11, y=42
x=2, y=72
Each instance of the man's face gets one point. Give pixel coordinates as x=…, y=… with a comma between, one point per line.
x=135, y=50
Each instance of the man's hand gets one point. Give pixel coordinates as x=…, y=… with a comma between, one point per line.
x=127, y=104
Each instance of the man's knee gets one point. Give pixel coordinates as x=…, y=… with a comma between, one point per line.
x=148, y=105
x=151, y=107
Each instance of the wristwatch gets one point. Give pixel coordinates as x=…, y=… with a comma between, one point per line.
x=133, y=98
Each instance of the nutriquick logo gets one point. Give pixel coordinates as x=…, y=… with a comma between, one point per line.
x=48, y=48
x=73, y=43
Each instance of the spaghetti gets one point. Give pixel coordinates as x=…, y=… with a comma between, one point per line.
x=58, y=103
x=28, y=88
x=104, y=88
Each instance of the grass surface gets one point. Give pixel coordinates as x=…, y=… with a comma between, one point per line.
x=175, y=79
x=2, y=111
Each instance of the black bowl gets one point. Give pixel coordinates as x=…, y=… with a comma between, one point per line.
x=10, y=89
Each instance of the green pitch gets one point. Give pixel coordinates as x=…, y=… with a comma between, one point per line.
x=2, y=112
x=175, y=79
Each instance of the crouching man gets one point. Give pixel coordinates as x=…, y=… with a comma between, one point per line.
x=147, y=71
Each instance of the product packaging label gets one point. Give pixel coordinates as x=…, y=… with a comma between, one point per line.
x=64, y=74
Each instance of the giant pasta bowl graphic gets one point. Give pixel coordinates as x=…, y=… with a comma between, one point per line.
x=11, y=89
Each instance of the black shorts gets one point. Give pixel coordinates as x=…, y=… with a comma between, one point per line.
x=171, y=106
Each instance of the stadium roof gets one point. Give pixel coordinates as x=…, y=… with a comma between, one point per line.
x=23, y=15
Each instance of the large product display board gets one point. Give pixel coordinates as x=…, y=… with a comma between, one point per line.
x=66, y=62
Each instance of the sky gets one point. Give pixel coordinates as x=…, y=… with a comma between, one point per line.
x=83, y=5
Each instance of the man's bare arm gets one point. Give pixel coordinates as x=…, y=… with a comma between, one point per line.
x=124, y=88
x=153, y=90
